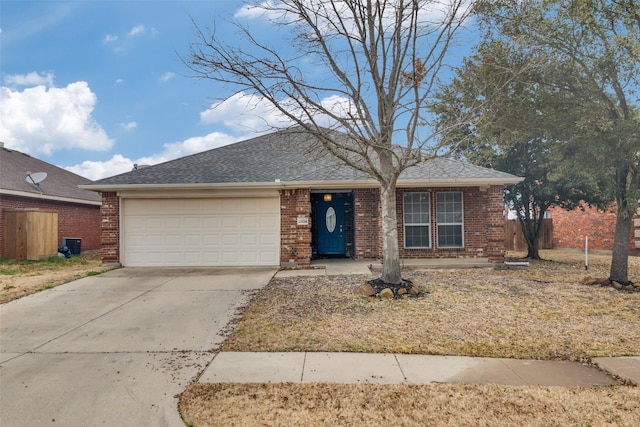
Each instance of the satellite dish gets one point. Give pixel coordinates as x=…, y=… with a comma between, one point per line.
x=36, y=178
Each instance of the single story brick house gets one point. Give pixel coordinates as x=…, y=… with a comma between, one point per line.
x=78, y=210
x=278, y=199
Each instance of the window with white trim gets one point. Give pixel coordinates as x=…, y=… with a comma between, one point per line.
x=450, y=227
x=417, y=220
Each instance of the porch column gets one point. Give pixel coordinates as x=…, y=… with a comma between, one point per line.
x=295, y=227
x=495, y=224
x=110, y=228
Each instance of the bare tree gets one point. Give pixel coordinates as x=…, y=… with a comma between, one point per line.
x=381, y=62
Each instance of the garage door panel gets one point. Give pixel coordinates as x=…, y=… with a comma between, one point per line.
x=201, y=232
x=211, y=222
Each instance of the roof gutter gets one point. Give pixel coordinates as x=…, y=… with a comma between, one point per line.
x=328, y=185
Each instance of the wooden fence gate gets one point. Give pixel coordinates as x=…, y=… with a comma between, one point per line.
x=30, y=234
x=514, y=239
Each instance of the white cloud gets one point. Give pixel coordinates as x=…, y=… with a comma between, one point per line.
x=138, y=29
x=119, y=164
x=118, y=81
x=167, y=76
x=109, y=38
x=41, y=120
x=264, y=10
x=128, y=126
x=191, y=145
x=123, y=42
x=245, y=112
x=430, y=12
x=31, y=79
x=95, y=170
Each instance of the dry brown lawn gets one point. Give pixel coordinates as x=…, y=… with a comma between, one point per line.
x=539, y=312
x=22, y=278
x=407, y=405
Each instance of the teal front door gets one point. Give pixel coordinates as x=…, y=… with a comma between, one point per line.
x=331, y=239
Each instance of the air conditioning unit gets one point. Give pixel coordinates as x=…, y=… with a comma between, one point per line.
x=73, y=243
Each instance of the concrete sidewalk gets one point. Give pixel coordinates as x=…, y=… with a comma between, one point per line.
x=409, y=369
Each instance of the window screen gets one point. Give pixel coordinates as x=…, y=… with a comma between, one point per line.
x=417, y=220
x=450, y=219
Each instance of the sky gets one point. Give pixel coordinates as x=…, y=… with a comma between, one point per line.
x=98, y=86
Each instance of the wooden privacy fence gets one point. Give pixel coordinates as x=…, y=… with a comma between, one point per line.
x=30, y=234
x=514, y=239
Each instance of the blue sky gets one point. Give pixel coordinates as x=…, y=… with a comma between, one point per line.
x=96, y=86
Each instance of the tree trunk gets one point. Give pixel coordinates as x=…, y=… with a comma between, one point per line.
x=620, y=258
x=531, y=229
x=391, y=254
x=533, y=248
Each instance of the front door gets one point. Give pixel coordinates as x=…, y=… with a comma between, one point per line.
x=331, y=238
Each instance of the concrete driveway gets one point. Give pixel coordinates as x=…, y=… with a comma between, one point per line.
x=115, y=349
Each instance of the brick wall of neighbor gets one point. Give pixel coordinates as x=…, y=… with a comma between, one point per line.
x=571, y=227
x=367, y=223
x=295, y=239
x=110, y=227
x=74, y=220
x=483, y=225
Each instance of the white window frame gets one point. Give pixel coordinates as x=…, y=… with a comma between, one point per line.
x=417, y=224
x=461, y=223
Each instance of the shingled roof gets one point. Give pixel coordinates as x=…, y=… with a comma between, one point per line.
x=289, y=158
x=60, y=184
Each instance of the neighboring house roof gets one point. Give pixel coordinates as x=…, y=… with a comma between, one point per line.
x=60, y=185
x=288, y=159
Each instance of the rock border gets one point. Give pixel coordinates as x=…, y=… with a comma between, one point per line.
x=381, y=289
x=606, y=282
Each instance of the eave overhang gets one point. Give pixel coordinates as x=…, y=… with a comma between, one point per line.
x=282, y=185
x=49, y=197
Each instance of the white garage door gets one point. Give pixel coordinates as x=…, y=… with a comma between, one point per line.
x=201, y=232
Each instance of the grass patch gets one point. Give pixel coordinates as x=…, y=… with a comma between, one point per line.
x=13, y=267
x=21, y=278
x=407, y=405
x=541, y=312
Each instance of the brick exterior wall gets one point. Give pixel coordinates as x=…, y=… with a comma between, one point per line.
x=74, y=220
x=571, y=227
x=483, y=225
x=110, y=227
x=494, y=223
x=367, y=223
x=295, y=240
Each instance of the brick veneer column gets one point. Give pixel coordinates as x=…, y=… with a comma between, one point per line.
x=495, y=224
x=110, y=212
x=367, y=223
x=295, y=239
